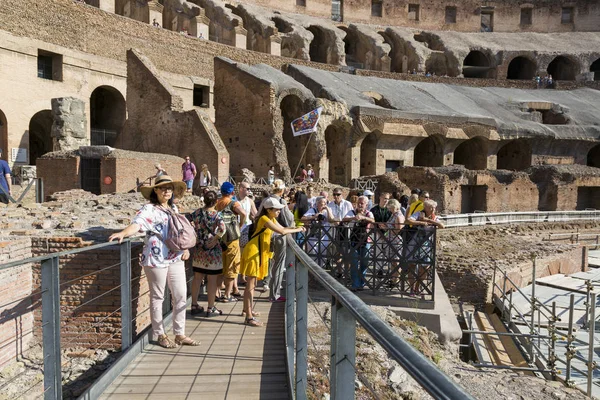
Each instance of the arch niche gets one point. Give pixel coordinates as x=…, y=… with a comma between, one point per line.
x=3, y=136
x=292, y=107
x=319, y=46
x=368, y=154
x=563, y=69
x=595, y=68
x=429, y=152
x=477, y=65
x=472, y=153
x=335, y=140
x=515, y=155
x=521, y=68
x=40, y=141
x=107, y=115
x=593, y=157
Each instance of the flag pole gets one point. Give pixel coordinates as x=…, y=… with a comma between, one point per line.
x=302, y=156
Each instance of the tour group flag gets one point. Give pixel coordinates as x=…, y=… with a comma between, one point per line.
x=306, y=123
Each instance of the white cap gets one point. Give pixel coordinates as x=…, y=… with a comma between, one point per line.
x=368, y=193
x=271, y=202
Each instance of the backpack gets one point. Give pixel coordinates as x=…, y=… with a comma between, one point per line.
x=232, y=226
x=247, y=234
x=181, y=234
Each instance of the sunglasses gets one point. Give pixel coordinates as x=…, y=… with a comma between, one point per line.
x=337, y=194
x=166, y=188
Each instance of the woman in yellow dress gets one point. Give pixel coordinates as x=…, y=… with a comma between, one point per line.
x=256, y=255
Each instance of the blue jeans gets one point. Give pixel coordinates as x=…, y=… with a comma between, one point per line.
x=359, y=265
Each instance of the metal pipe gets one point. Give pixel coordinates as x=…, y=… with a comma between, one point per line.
x=533, y=308
x=126, y=312
x=504, y=334
x=290, y=320
x=569, y=340
x=51, y=330
x=591, y=329
x=301, y=326
x=511, y=367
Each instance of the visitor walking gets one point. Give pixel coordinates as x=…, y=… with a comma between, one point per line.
x=208, y=255
x=188, y=169
x=256, y=255
x=161, y=265
x=5, y=180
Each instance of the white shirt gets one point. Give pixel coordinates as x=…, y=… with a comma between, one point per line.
x=341, y=210
x=246, y=204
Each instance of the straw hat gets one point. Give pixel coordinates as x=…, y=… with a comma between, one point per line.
x=180, y=187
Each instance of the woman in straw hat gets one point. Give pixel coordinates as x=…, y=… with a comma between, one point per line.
x=161, y=265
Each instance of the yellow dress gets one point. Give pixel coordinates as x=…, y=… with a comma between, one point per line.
x=256, y=255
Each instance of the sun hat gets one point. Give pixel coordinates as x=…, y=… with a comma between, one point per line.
x=368, y=193
x=271, y=202
x=227, y=188
x=163, y=180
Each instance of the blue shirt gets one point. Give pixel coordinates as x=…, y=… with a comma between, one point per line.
x=4, y=170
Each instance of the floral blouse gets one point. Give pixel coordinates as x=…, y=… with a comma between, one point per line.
x=207, y=224
x=155, y=223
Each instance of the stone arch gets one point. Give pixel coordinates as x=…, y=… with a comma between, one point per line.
x=319, y=50
x=563, y=68
x=521, y=68
x=335, y=142
x=351, y=41
x=40, y=139
x=368, y=154
x=515, y=155
x=441, y=64
x=595, y=68
x=401, y=53
x=4, y=136
x=107, y=115
x=292, y=107
x=593, y=157
x=477, y=65
x=472, y=153
x=430, y=152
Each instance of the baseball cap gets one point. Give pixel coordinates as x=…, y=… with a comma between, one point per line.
x=368, y=193
x=271, y=202
x=227, y=188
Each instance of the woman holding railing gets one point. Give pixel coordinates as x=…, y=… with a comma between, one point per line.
x=161, y=265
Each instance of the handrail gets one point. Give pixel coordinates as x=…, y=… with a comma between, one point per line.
x=479, y=219
x=425, y=372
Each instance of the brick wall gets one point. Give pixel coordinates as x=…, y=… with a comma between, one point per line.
x=59, y=174
x=16, y=316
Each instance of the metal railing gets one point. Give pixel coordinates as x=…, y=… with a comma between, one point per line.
x=392, y=261
x=60, y=327
x=39, y=191
x=101, y=137
x=480, y=219
x=346, y=311
x=543, y=326
x=365, y=184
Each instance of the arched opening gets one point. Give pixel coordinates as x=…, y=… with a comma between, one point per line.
x=403, y=57
x=335, y=140
x=563, y=69
x=593, y=157
x=521, y=68
x=368, y=155
x=40, y=141
x=353, y=57
x=595, y=68
x=292, y=108
x=429, y=152
x=472, y=153
x=319, y=47
x=477, y=65
x=3, y=136
x=107, y=115
x=515, y=156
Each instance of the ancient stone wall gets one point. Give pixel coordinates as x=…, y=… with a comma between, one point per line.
x=59, y=173
x=156, y=118
x=16, y=317
x=244, y=107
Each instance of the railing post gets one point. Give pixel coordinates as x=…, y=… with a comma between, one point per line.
x=51, y=329
x=290, y=315
x=301, y=330
x=591, y=330
x=343, y=352
x=125, y=295
x=39, y=190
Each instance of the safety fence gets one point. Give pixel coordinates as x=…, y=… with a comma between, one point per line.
x=38, y=183
x=514, y=217
x=91, y=298
x=346, y=311
x=390, y=261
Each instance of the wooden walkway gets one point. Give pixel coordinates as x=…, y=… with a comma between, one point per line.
x=233, y=361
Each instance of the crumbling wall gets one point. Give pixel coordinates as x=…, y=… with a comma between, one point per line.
x=156, y=117
x=69, y=125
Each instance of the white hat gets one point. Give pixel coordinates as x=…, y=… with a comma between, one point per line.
x=271, y=202
x=368, y=193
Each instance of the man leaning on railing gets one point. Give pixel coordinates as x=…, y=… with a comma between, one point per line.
x=359, y=222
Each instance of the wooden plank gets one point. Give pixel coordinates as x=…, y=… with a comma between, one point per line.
x=493, y=343
x=508, y=344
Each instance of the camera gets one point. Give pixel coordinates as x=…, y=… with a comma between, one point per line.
x=320, y=218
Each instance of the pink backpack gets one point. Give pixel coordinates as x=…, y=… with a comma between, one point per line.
x=181, y=234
